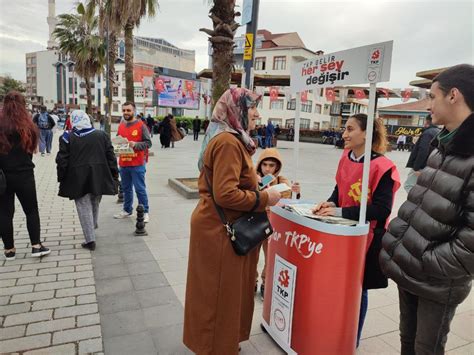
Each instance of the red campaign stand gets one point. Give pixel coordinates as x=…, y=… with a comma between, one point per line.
x=313, y=284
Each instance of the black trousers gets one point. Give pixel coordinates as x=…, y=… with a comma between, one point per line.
x=196, y=135
x=424, y=324
x=21, y=184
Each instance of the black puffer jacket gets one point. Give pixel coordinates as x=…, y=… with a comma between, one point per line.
x=429, y=248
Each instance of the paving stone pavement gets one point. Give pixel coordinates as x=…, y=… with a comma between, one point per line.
x=48, y=305
x=127, y=297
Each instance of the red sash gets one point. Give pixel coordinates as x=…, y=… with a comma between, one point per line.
x=349, y=182
x=132, y=133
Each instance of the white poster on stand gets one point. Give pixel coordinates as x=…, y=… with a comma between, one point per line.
x=367, y=64
x=283, y=296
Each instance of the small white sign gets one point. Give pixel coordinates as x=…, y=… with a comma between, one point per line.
x=362, y=65
x=283, y=296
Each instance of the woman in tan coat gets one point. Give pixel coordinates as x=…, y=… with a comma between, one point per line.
x=220, y=285
x=176, y=136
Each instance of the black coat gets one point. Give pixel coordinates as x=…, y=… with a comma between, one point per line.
x=429, y=248
x=196, y=125
x=86, y=164
x=422, y=149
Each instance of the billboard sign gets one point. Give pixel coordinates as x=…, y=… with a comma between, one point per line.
x=361, y=65
x=178, y=93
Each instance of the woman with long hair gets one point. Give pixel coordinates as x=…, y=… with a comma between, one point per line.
x=384, y=181
x=18, y=142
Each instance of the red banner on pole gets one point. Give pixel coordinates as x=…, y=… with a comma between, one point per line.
x=385, y=93
x=360, y=94
x=304, y=96
x=406, y=95
x=330, y=94
x=273, y=93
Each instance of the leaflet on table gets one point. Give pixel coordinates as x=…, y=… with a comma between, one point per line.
x=121, y=146
x=306, y=211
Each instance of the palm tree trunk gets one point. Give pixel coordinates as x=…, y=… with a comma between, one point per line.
x=222, y=14
x=112, y=49
x=89, y=95
x=129, y=62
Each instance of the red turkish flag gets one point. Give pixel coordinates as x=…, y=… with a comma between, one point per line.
x=359, y=94
x=330, y=94
x=159, y=85
x=304, y=96
x=273, y=93
x=385, y=93
x=406, y=95
x=189, y=85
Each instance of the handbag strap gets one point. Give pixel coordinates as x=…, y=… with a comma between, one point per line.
x=219, y=209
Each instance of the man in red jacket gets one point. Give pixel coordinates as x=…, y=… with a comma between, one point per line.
x=133, y=166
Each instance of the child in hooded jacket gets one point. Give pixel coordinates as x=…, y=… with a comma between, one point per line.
x=270, y=162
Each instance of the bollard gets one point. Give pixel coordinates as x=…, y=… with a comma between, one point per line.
x=140, y=231
x=120, y=193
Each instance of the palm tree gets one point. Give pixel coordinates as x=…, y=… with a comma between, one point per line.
x=135, y=10
x=111, y=22
x=78, y=37
x=222, y=14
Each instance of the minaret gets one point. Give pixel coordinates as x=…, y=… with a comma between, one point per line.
x=51, y=23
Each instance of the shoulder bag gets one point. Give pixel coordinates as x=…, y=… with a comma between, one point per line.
x=247, y=231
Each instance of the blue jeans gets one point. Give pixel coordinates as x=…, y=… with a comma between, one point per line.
x=268, y=141
x=45, y=140
x=364, y=302
x=260, y=141
x=133, y=177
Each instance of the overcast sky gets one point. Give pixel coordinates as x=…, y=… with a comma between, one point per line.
x=426, y=34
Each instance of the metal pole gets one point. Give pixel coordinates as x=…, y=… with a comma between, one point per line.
x=367, y=154
x=296, y=143
x=251, y=28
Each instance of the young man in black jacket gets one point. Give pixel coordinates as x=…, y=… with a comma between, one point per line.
x=420, y=153
x=428, y=249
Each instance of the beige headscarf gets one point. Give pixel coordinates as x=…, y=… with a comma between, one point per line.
x=231, y=115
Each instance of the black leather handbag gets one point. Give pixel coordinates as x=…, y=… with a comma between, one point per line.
x=247, y=231
x=3, y=182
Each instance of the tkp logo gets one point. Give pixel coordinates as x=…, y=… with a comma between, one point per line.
x=376, y=55
x=284, y=278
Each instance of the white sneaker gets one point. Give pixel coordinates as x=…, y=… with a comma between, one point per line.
x=122, y=214
x=146, y=218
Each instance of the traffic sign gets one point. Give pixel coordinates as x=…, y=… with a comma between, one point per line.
x=248, y=46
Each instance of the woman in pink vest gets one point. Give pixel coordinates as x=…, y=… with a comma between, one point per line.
x=384, y=181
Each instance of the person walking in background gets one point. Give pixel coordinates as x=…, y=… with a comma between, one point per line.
x=133, y=166
x=401, y=141
x=428, y=249
x=176, y=135
x=150, y=122
x=196, y=128
x=269, y=133
x=420, y=153
x=220, y=284
x=165, y=132
x=384, y=182
x=45, y=123
x=87, y=169
x=18, y=142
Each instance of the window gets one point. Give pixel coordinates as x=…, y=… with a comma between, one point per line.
x=33, y=60
x=346, y=107
x=115, y=107
x=305, y=123
x=317, y=108
x=116, y=77
x=327, y=108
x=276, y=121
x=115, y=91
x=316, y=126
x=276, y=105
x=260, y=63
x=124, y=92
x=279, y=63
x=70, y=87
x=291, y=105
x=71, y=68
x=306, y=106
